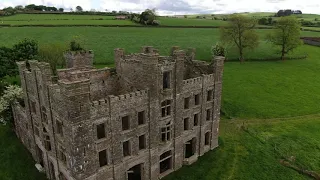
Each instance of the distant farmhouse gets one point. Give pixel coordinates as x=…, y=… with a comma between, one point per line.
x=141, y=120
x=121, y=17
x=287, y=12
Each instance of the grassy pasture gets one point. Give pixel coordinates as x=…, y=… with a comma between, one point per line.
x=253, y=153
x=273, y=89
x=62, y=19
x=35, y=17
x=256, y=152
x=312, y=28
x=72, y=22
x=103, y=40
x=251, y=90
x=190, y=22
x=16, y=162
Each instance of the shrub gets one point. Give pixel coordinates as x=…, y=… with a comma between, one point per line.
x=25, y=50
x=75, y=46
x=11, y=94
x=7, y=63
x=263, y=21
x=52, y=54
x=307, y=23
x=218, y=50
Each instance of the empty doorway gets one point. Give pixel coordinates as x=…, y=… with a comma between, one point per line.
x=190, y=148
x=134, y=173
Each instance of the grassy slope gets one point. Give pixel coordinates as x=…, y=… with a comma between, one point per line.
x=255, y=154
x=16, y=162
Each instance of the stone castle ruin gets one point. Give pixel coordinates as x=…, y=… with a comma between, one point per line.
x=141, y=120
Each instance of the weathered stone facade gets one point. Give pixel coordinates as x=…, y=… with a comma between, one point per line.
x=143, y=119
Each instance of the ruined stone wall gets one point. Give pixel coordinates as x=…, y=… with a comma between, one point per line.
x=79, y=59
x=23, y=126
x=103, y=82
x=69, y=112
x=129, y=105
x=35, y=78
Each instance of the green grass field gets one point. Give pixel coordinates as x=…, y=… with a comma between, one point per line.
x=62, y=19
x=16, y=162
x=103, y=40
x=191, y=22
x=255, y=153
x=38, y=17
x=254, y=94
x=71, y=22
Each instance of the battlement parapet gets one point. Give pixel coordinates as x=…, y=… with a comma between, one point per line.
x=192, y=84
x=197, y=80
x=129, y=96
x=99, y=102
x=44, y=67
x=99, y=108
x=208, y=77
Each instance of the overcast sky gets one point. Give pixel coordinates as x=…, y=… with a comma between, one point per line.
x=170, y=7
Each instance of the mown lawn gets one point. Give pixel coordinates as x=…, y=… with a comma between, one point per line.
x=16, y=162
x=255, y=151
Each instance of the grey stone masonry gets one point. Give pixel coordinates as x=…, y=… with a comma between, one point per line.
x=141, y=120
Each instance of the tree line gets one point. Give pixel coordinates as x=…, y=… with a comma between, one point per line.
x=38, y=9
x=242, y=34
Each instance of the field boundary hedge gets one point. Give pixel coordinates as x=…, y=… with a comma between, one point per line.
x=268, y=59
x=313, y=41
x=138, y=26
x=113, y=25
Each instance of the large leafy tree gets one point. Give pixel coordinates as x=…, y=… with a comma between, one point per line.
x=286, y=35
x=241, y=33
x=25, y=50
x=148, y=16
x=79, y=9
x=7, y=64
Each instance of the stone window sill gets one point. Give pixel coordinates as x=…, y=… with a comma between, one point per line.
x=101, y=140
x=190, y=160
